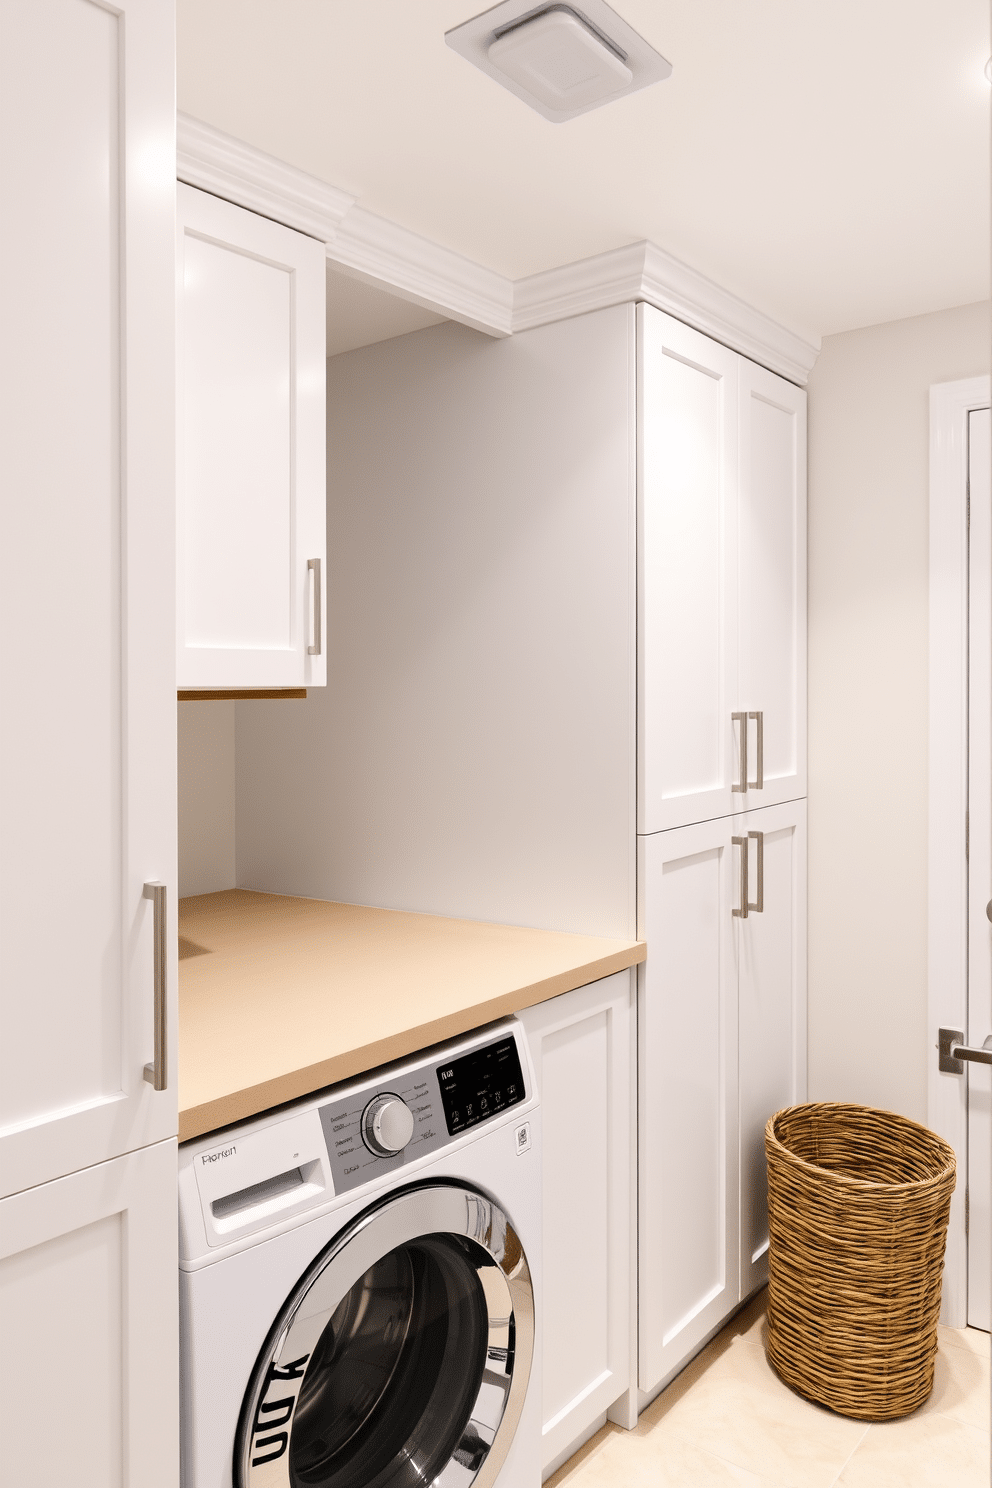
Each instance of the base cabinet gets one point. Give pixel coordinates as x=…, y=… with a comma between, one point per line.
x=88, y=1308
x=722, y=1046
x=582, y=1046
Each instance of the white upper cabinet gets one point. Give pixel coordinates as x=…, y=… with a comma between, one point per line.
x=721, y=580
x=251, y=497
x=87, y=580
x=687, y=573
x=772, y=599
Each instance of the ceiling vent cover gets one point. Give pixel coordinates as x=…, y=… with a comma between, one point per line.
x=563, y=60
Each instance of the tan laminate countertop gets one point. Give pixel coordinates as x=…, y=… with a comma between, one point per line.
x=280, y=996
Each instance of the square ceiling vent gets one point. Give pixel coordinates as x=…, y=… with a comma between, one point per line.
x=563, y=60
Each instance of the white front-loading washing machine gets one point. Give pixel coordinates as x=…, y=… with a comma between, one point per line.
x=360, y=1282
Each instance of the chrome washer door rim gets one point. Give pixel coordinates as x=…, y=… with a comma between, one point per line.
x=262, y=1442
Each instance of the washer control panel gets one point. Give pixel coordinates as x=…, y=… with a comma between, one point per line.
x=372, y=1131
x=365, y=1131
x=480, y=1084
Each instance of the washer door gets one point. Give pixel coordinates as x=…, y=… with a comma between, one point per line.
x=401, y=1358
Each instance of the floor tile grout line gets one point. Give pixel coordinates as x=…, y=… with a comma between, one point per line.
x=762, y=1476
x=847, y=1461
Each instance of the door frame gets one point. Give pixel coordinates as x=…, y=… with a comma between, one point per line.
x=951, y=403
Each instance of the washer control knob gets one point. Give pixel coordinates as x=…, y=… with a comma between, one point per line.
x=387, y=1125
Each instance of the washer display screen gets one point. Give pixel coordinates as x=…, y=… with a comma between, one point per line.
x=480, y=1084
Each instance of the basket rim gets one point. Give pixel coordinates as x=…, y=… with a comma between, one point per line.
x=863, y=1185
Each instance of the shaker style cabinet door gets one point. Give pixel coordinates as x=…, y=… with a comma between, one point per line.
x=89, y=1305
x=251, y=498
x=87, y=580
x=687, y=574
x=772, y=598
x=771, y=958
x=581, y=1043
x=688, y=1269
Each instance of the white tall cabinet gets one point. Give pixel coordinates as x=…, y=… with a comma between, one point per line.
x=87, y=743
x=721, y=820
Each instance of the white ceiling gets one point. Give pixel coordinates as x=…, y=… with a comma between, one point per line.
x=828, y=162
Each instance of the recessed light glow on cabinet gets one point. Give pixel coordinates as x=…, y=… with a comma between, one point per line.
x=562, y=60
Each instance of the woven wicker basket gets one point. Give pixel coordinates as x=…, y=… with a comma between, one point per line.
x=858, y=1202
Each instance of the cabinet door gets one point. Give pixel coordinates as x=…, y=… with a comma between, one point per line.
x=687, y=574
x=772, y=603
x=771, y=1007
x=89, y=1305
x=87, y=580
x=688, y=1272
x=250, y=479
x=581, y=1044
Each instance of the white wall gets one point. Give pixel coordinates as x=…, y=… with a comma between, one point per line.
x=473, y=752
x=868, y=700
x=206, y=797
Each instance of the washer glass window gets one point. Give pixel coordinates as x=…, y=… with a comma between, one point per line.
x=401, y=1358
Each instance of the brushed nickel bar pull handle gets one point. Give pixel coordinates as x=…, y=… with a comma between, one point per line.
x=740, y=913
x=314, y=564
x=759, y=781
x=157, y=1074
x=759, y=903
x=953, y=1051
x=741, y=718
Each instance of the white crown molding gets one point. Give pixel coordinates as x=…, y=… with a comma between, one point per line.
x=382, y=253
x=227, y=167
x=644, y=272
x=366, y=246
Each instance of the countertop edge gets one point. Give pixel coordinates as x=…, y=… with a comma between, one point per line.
x=214, y=1115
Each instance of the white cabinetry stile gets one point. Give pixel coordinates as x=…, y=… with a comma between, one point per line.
x=88, y=1256
x=250, y=440
x=582, y=1046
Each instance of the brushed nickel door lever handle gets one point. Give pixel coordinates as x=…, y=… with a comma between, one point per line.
x=953, y=1051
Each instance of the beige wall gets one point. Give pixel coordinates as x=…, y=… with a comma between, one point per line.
x=206, y=797
x=868, y=690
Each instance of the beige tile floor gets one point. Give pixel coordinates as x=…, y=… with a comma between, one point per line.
x=728, y=1421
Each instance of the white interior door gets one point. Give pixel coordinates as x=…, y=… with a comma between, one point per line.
x=979, y=1076
x=772, y=545
x=687, y=574
x=688, y=1277
x=771, y=1007
x=251, y=495
x=87, y=586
